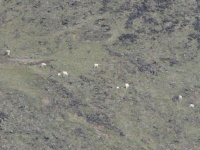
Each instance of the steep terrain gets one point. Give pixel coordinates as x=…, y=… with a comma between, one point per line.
x=152, y=45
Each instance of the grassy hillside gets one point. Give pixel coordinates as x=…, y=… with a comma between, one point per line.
x=152, y=45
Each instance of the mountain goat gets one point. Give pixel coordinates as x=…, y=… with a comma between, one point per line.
x=7, y=52
x=64, y=73
x=191, y=105
x=126, y=85
x=180, y=97
x=43, y=65
x=96, y=65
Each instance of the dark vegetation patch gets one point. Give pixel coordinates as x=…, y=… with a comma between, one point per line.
x=101, y=119
x=163, y=4
x=55, y=87
x=95, y=35
x=143, y=66
x=197, y=24
x=171, y=61
x=112, y=52
x=104, y=5
x=85, y=79
x=3, y=116
x=127, y=39
x=138, y=11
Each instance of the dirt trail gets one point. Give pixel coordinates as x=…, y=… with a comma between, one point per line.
x=23, y=61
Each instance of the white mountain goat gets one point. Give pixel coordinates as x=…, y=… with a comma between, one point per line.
x=191, y=105
x=64, y=73
x=43, y=65
x=180, y=97
x=7, y=52
x=59, y=74
x=126, y=85
x=96, y=65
